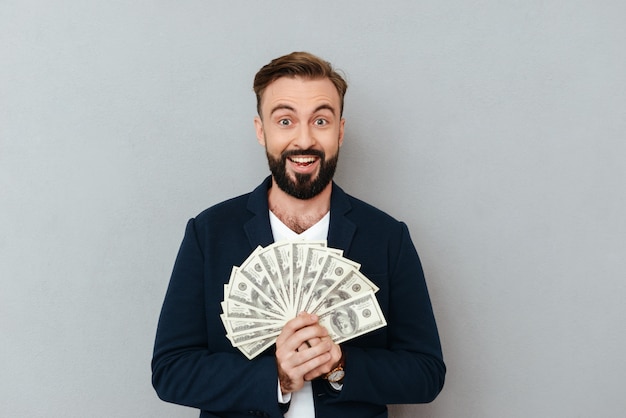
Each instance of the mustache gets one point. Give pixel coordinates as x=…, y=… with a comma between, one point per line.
x=300, y=152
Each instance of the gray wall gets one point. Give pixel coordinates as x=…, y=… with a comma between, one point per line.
x=495, y=129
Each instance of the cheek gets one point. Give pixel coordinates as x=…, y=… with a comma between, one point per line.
x=272, y=147
x=331, y=145
x=276, y=141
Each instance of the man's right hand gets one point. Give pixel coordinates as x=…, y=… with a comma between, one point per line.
x=302, y=346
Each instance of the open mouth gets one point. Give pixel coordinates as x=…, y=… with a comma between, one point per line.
x=302, y=161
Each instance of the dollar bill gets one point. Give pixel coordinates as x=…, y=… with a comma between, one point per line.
x=253, y=349
x=313, y=262
x=234, y=311
x=252, y=335
x=274, y=268
x=242, y=290
x=253, y=269
x=350, y=286
x=282, y=254
x=333, y=268
x=235, y=326
x=353, y=318
x=298, y=257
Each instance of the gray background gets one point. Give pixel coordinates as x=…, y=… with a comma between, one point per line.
x=495, y=129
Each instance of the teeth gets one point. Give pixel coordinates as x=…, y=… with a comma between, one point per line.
x=302, y=160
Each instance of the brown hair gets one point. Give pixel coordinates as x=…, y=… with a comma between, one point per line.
x=297, y=64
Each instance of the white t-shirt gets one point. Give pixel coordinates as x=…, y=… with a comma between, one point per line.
x=301, y=401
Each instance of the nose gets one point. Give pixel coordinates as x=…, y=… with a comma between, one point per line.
x=305, y=138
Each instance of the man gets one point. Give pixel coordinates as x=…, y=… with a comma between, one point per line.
x=300, y=124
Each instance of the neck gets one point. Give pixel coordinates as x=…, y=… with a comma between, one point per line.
x=299, y=215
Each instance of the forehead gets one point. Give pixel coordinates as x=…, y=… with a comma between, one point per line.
x=300, y=93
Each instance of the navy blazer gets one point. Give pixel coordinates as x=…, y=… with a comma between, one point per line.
x=194, y=364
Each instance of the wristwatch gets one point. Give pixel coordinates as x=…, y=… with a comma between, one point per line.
x=336, y=375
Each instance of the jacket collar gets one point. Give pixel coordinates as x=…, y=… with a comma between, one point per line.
x=258, y=227
x=259, y=232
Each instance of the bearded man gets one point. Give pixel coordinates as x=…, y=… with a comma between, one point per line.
x=300, y=123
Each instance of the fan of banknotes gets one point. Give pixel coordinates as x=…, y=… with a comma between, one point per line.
x=277, y=282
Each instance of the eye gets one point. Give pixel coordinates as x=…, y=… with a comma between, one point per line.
x=320, y=122
x=284, y=122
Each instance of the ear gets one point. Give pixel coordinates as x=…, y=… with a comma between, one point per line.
x=341, y=130
x=258, y=127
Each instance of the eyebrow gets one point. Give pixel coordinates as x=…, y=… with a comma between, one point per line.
x=325, y=106
x=282, y=107
x=292, y=109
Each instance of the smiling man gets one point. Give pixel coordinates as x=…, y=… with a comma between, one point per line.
x=306, y=374
x=301, y=127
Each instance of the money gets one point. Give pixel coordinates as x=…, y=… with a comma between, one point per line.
x=277, y=282
x=255, y=348
x=353, y=318
x=333, y=269
x=244, y=291
x=350, y=286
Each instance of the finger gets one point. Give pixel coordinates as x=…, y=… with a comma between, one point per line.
x=312, y=342
x=322, y=369
x=304, y=353
x=302, y=320
x=293, y=379
x=311, y=334
x=307, y=354
x=312, y=364
x=316, y=366
x=293, y=366
x=292, y=327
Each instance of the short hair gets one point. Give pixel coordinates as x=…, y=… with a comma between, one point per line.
x=297, y=64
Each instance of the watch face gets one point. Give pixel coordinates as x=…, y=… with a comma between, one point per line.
x=336, y=376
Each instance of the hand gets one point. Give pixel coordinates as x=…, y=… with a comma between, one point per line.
x=335, y=358
x=303, y=351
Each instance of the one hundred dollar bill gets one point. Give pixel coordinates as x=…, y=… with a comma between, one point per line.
x=236, y=325
x=253, y=269
x=235, y=311
x=333, y=269
x=252, y=335
x=298, y=258
x=313, y=263
x=274, y=267
x=282, y=254
x=241, y=291
x=253, y=349
x=350, y=286
x=353, y=318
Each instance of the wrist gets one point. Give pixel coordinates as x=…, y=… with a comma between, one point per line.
x=336, y=375
x=283, y=397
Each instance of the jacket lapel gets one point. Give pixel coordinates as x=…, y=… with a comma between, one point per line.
x=342, y=229
x=258, y=228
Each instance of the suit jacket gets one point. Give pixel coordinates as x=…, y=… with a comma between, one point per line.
x=194, y=364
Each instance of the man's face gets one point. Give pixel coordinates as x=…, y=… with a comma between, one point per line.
x=301, y=129
x=343, y=324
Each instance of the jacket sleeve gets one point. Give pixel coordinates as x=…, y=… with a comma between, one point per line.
x=184, y=370
x=410, y=368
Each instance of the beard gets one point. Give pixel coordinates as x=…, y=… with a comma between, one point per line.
x=305, y=186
